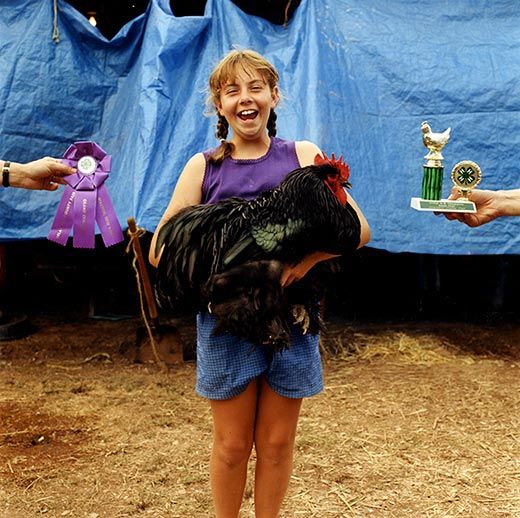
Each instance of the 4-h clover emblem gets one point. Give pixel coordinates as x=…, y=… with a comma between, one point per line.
x=466, y=175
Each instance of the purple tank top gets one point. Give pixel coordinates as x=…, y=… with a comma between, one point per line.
x=248, y=178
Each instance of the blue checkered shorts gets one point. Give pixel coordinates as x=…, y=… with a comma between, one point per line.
x=227, y=364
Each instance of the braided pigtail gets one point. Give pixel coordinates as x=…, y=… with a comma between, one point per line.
x=226, y=148
x=222, y=128
x=271, y=124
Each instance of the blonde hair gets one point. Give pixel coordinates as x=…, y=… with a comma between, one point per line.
x=226, y=70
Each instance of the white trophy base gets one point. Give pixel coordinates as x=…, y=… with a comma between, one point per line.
x=443, y=205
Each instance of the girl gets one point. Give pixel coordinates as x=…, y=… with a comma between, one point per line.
x=255, y=397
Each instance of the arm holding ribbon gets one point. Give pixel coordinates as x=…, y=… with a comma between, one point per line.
x=44, y=174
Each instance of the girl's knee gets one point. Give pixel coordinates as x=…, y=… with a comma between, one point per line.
x=232, y=452
x=275, y=450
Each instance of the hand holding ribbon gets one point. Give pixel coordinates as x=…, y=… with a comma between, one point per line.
x=86, y=201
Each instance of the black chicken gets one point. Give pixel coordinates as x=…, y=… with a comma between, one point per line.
x=228, y=257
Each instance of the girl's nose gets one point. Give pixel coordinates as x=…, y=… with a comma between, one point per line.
x=245, y=98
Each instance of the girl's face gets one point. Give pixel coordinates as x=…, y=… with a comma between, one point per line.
x=245, y=102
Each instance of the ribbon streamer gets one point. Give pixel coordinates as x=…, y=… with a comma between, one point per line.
x=86, y=201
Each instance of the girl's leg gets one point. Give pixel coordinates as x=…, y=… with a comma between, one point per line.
x=233, y=425
x=275, y=431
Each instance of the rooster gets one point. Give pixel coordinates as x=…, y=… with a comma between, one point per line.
x=228, y=257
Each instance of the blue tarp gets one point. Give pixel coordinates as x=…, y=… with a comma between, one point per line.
x=358, y=78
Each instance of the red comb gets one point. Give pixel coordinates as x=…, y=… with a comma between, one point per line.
x=341, y=166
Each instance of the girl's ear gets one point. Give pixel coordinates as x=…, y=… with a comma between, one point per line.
x=275, y=95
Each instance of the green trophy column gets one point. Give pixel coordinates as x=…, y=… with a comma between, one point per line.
x=432, y=183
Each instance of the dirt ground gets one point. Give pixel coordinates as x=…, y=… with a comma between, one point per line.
x=416, y=420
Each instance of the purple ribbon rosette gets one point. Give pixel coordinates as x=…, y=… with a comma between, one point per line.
x=86, y=201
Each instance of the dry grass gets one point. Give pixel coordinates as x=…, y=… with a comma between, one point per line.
x=415, y=421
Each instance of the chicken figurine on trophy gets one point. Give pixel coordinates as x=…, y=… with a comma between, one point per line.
x=465, y=175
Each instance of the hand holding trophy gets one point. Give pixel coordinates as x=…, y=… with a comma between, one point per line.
x=465, y=175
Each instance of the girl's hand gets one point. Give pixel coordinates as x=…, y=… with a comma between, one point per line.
x=294, y=272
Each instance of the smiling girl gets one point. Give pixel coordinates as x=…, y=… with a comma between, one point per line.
x=255, y=396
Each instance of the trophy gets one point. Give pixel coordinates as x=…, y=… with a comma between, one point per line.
x=465, y=175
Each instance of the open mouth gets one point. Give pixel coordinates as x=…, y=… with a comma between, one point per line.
x=247, y=114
